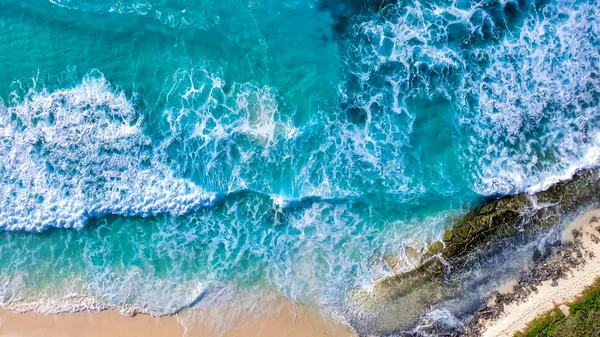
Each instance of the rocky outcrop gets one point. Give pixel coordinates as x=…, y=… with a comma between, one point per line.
x=548, y=265
x=518, y=217
x=479, y=235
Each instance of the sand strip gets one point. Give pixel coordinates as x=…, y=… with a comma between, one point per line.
x=289, y=320
x=517, y=315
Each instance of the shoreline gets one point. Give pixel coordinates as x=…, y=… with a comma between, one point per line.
x=489, y=245
x=580, y=263
x=285, y=319
x=493, y=243
x=396, y=303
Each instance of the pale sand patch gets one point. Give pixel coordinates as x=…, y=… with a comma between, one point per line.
x=517, y=315
x=289, y=320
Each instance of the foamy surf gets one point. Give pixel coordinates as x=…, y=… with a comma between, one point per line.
x=73, y=154
x=519, y=79
x=233, y=148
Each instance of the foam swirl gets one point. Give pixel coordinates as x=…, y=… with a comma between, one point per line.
x=78, y=153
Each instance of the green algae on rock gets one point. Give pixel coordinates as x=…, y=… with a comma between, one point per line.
x=483, y=232
x=520, y=215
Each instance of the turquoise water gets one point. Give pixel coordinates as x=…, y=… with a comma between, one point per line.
x=154, y=152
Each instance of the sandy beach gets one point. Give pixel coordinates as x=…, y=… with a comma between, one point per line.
x=517, y=315
x=289, y=320
x=285, y=318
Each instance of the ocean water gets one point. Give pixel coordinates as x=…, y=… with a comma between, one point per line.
x=155, y=153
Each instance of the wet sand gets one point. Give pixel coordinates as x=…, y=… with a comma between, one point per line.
x=289, y=320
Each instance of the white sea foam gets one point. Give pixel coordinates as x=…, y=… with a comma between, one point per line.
x=525, y=95
x=169, y=13
x=72, y=154
x=134, y=292
x=227, y=131
x=538, y=102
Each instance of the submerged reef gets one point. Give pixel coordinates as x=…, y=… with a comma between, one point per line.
x=343, y=11
x=450, y=267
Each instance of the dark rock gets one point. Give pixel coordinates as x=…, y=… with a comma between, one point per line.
x=478, y=236
x=577, y=234
x=547, y=252
x=537, y=255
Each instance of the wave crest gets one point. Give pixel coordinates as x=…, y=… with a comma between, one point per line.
x=518, y=78
x=78, y=153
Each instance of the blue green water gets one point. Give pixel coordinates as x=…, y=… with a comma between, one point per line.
x=153, y=152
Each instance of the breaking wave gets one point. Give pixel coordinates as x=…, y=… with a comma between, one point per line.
x=519, y=78
x=78, y=153
x=200, y=182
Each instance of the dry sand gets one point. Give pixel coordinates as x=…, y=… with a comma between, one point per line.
x=290, y=320
x=517, y=315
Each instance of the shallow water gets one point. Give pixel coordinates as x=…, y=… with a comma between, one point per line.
x=153, y=152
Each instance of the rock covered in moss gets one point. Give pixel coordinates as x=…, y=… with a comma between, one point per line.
x=475, y=237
